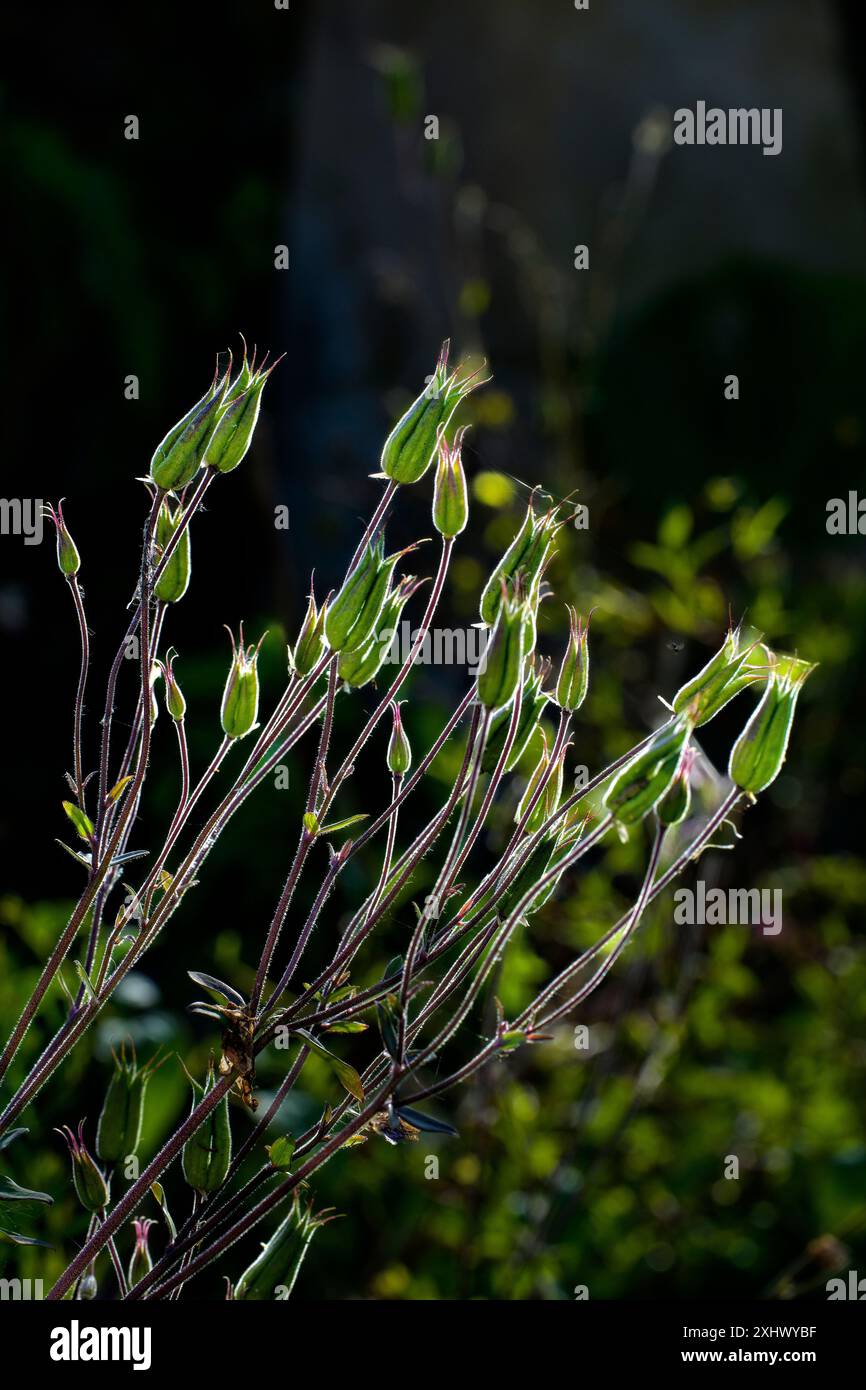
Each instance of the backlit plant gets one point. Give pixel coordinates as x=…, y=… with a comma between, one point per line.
x=440, y=991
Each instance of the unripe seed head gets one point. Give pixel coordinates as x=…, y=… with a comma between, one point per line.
x=411, y=446
x=281, y=1258
x=676, y=802
x=549, y=800
x=68, y=559
x=642, y=783
x=240, y=704
x=450, y=500
x=532, y=705
x=207, y=1153
x=119, y=1129
x=346, y=608
x=178, y=458
x=399, y=750
x=502, y=664
x=526, y=557
x=723, y=677
x=174, y=580
x=140, y=1262
x=357, y=666
x=237, y=420
x=358, y=608
x=91, y=1187
x=174, y=700
x=573, y=682
x=310, y=646
x=759, y=752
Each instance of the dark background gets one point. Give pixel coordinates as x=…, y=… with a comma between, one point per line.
x=260, y=127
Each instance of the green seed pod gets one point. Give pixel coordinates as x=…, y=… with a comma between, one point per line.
x=234, y=429
x=532, y=603
x=525, y=558
x=541, y=859
x=759, y=752
x=346, y=608
x=491, y=598
x=503, y=901
x=357, y=610
x=501, y=666
x=357, y=666
x=532, y=705
x=174, y=580
x=411, y=446
x=174, y=700
x=361, y=665
x=178, y=458
x=310, y=646
x=240, y=703
x=399, y=757
x=573, y=682
x=450, y=500
x=273, y=1273
x=140, y=1262
x=723, y=677
x=119, y=1129
x=549, y=800
x=91, y=1187
x=643, y=782
x=371, y=609
x=244, y=377
x=68, y=559
x=208, y=1152
x=676, y=802
x=538, y=550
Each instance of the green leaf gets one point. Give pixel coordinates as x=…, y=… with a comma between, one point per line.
x=345, y=1074
x=427, y=1123
x=351, y=1025
x=82, y=823
x=13, y=1238
x=159, y=1193
x=85, y=980
x=336, y=825
x=348, y=1078
x=11, y=1136
x=11, y=1192
x=388, y=1014
x=119, y=786
x=218, y=987
x=345, y=992
x=311, y=823
x=81, y=859
x=280, y=1153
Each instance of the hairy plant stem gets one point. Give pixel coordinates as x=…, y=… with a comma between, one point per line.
x=77, y=761
x=138, y=1189
x=69, y=1035
x=305, y=843
x=478, y=935
x=627, y=932
x=650, y=888
x=348, y=764
x=345, y=954
x=690, y=852
x=257, y=1213
x=98, y=872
